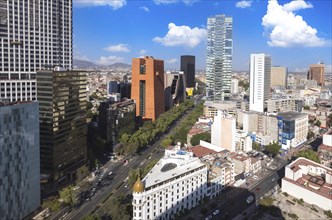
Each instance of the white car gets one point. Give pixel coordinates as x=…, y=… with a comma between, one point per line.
x=250, y=199
x=216, y=212
x=255, y=177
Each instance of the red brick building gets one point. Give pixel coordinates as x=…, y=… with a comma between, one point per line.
x=147, y=88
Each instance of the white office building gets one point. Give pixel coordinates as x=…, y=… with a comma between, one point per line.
x=33, y=35
x=19, y=159
x=219, y=52
x=260, y=73
x=177, y=182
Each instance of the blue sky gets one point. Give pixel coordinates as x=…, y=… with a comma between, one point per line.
x=295, y=33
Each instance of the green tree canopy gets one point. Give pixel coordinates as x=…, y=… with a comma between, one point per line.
x=166, y=142
x=206, y=136
x=273, y=148
x=255, y=146
x=310, y=135
x=68, y=195
x=318, y=123
x=309, y=154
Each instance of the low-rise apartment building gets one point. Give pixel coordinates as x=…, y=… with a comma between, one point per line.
x=310, y=181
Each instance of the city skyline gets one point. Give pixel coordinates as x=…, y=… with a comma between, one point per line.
x=170, y=30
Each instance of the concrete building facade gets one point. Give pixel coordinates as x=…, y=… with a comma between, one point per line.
x=292, y=129
x=175, y=88
x=33, y=35
x=223, y=131
x=147, y=87
x=177, y=182
x=260, y=79
x=19, y=159
x=279, y=76
x=309, y=181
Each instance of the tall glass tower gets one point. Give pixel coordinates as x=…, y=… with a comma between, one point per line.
x=33, y=35
x=219, y=57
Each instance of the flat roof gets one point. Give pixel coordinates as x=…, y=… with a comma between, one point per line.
x=291, y=115
x=171, y=166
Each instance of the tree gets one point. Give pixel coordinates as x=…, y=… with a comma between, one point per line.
x=255, y=146
x=119, y=209
x=195, y=140
x=273, y=148
x=166, y=142
x=318, y=123
x=310, y=135
x=89, y=105
x=81, y=173
x=91, y=217
x=306, y=107
x=309, y=154
x=68, y=195
x=52, y=203
x=329, y=121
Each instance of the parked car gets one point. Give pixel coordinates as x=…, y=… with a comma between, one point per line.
x=255, y=177
x=250, y=199
x=216, y=212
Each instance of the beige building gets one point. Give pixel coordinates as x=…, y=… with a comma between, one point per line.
x=223, y=131
x=245, y=164
x=278, y=76
x=282, y=104
x=310, y=181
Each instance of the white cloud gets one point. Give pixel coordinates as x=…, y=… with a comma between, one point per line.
x=170, y=61
x=187, y=2
x=109, y=60
x=182, y=36
x=118, y=48
x=114, y=4
x=243, y=4
x=143, y=52
x=286, y=29
x=144, y=8
x=296, y=5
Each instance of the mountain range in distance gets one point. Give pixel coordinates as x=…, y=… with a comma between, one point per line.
x=84, y=64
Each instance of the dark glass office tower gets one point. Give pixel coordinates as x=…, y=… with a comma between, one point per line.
x=62, y=107
x=188, y=67
x=33, y=34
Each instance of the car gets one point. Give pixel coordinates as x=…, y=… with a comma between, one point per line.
x=250, y=199
x=110, y=173
x=216, y=212
x=208, y=217
x=255, y=177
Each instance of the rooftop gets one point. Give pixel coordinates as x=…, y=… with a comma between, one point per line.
x=174, y=163
x=200, y=151
x=314, y=183
x=291, y=115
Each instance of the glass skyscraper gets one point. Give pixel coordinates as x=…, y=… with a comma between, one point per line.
x=19, y=159
x=219, y=57
x=33, y=35
x=63, y=129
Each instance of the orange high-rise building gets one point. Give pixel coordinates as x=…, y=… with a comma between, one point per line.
x=147, y=87
x=316, y=72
